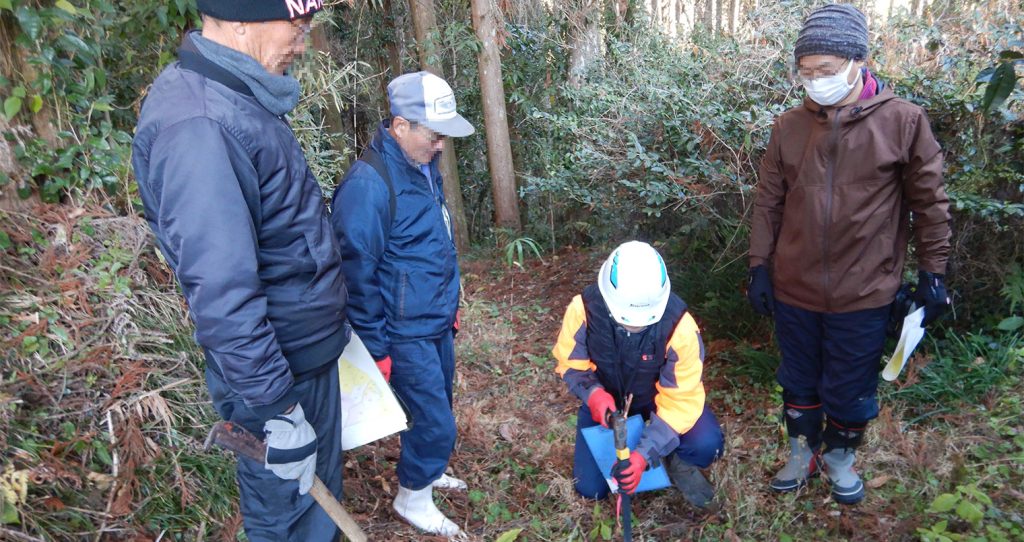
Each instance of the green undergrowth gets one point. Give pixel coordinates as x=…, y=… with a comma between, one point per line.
x=92, y=324
x=102, y=398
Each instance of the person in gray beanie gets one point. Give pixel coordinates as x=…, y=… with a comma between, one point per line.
x=242, y=223
x=841, y=177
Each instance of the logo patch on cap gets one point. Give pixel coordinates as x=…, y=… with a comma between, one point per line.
x=302, y=8
x=445, y=106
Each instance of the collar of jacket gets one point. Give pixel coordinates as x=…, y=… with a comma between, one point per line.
x=856, y=111
x=191, y=59
x=385, y=144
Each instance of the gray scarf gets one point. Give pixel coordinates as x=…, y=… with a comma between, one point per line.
x=278, y=93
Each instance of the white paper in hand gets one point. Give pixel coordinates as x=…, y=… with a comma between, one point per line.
x=369, y=409
x=911, y=335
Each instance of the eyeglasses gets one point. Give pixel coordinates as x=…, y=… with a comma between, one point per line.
x=302, y=27
x=805, y=74
x=436, y=137
x=432, y=135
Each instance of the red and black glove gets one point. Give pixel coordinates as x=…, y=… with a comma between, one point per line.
x=628, y=473
x=384, y=366
x=600, y=403
x=458, y=322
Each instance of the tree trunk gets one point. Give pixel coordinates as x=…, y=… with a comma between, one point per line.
x=390, y=60
x=425, y=23
x=720, y=14
x=394, y=53
x=585, y=23
x=688, y=15
x=15, y=68
x=492, y=90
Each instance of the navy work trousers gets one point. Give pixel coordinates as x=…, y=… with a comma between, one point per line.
x=832, y=356
x=700, y=446
x=422, y=372
x=272, y=509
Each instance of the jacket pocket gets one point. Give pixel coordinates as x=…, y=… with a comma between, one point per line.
x=403, y=288
x=887, y=238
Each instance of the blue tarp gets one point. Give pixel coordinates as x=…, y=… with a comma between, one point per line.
x=601, y=442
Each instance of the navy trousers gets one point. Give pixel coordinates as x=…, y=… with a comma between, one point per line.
x=832, y=357
x=421, y=374
x=700, y=446
x=272, y=509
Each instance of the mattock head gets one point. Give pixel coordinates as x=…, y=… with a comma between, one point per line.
x=237, y=439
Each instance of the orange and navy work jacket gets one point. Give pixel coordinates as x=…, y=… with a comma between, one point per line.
x=661, y=366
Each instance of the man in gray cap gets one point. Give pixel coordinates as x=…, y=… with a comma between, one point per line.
x=840, y=177
x=399, y=256
x=241, y=221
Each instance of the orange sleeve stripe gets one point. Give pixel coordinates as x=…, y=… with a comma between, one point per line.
x=680, y=397
x=571, y=349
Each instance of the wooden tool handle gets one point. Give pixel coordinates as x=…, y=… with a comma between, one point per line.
x=348, y=526
x=235, y=438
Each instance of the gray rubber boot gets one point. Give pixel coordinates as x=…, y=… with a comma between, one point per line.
x=690, y=482
x=847, y=487
x=801, y=465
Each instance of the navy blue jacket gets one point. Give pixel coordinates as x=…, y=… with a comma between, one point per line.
x=403, y=271
x=242, y=222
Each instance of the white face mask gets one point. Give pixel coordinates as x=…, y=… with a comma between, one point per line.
x=830, y=90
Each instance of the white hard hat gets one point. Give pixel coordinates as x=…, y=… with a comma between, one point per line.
x=634, y=284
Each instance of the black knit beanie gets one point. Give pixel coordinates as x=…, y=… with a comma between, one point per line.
x=251, y=11
x=836, y=29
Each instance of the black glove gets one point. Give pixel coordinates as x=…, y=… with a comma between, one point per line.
x=759, y=291
x=931, y=294
x=905, y=298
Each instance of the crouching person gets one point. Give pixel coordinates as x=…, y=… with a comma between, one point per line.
x=630, y=335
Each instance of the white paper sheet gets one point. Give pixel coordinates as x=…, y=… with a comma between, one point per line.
x=369, y=409
x=911, y=335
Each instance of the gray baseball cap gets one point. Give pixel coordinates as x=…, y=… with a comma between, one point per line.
x=426, y=99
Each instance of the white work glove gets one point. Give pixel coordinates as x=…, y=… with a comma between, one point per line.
x=291, y=448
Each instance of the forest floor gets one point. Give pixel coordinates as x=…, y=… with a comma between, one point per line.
x=103, y=410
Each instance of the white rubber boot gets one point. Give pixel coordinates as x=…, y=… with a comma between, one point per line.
x=418, y=508
x=449, y=482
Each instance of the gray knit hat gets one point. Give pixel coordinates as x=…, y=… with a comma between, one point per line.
x=836, y=29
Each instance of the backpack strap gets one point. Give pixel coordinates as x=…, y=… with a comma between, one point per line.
x=374, y=159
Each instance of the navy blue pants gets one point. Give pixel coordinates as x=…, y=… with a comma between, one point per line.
x=700, y=446
x=272, y=509
x=421, y=375
x=832, y=357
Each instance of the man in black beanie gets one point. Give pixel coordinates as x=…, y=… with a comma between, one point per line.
x=241, y=221
x=837, y=185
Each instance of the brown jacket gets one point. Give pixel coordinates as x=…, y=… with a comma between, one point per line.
x=835, y=188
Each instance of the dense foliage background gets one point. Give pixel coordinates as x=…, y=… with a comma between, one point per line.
x=657, y=136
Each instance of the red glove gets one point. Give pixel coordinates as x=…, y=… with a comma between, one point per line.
x=628, y=473
x=458, y=322
x=600, y=404
x=385, y=368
